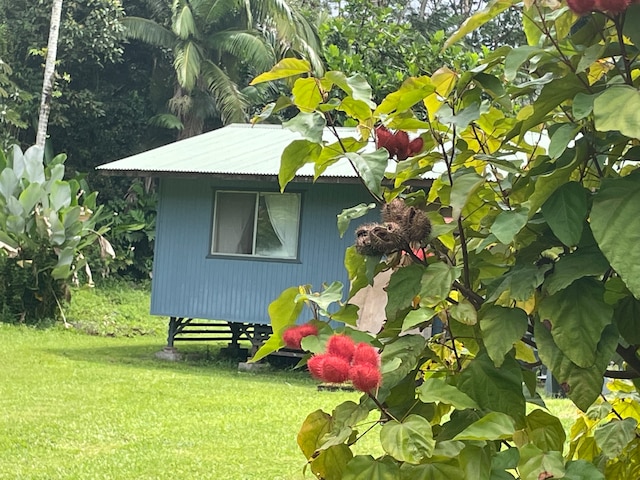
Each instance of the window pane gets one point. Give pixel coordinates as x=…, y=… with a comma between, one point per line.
x=277, y=230
x=234, y=222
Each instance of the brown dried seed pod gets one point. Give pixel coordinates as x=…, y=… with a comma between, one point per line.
x=394, y=212
x=417, y=225
x=387, y=237
x=363, y=240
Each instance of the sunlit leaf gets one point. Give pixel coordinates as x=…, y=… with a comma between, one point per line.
x=294, y=156
x=288, y=67
x=435, y=389
x=492, y=426
x=408, y=441
x=618, y=108
x=309, y=125
x=536, y=464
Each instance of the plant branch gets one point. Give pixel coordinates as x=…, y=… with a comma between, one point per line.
x=618, y=21
x=381, y=407
x=628, y=354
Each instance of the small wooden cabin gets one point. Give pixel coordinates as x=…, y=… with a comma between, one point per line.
x=227, y=241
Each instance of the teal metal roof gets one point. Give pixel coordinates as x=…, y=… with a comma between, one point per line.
x=237, y=150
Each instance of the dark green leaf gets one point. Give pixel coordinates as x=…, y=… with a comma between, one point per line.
x=331, y=463
x=627, y=318
x=495, y=8
x=632, y=20
x=436, y=283
x=475, y=462
x=583, y=385
x=615, y=221
x=437, y=390
x=371, y=167
x=495, y=389
x=408, y=441
x=508, y=223
x=493, y=426
x=584, y=262
x=560, y=139
x=430, y=471
x=403, y=287
x=364, y=467
x=578, y=315
x=501, y=328
x=521, y=281
x=583, y=105
x=516, y=57
x=403, y=354
x=582, y=470
x=565, y=211
x=545, y=431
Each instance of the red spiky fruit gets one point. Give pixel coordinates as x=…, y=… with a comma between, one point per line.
x=341, y=346
x=612, y=6
x=315, y=365
x=294, y=335
x=335, y=369
x=582, y=7
x=365, y=377
x=365, y=354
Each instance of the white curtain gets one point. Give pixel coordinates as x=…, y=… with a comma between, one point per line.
x=284, y=212
x=234, y=220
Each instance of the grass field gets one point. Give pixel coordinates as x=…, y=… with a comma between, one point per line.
x=92, y=402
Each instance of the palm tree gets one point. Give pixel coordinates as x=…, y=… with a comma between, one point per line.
x=216, y=46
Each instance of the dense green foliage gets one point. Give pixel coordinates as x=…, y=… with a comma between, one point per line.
x=46, y=225
x=531, y=258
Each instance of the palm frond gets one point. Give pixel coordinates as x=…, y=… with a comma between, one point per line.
x=188, y=62
x=246, y=46
x=166, y=120
x=230, y=102
x=184, y=24
x=214, y=11
x=149, y=32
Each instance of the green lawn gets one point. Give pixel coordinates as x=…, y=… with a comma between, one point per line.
x=93, y=402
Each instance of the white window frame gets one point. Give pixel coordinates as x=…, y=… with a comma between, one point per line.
x=253, y=255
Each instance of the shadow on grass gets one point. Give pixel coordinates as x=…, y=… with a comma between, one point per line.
x=198, y=359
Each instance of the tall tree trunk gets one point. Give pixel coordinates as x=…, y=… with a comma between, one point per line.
x=49, y=72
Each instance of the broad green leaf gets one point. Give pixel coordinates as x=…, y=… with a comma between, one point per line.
x=288, y=67
x=613, y=437
x=355, y=108
x=333, y=152
x=294, y=156
x=618, y=108
x=437, y=390
x=506, y=459
x=475, y=462
x=615, y=221
x=346, y=314
x=60, y=196
x=583, y=385
x=8, y=182
x=183, y=23
x=412, y=91
x=371, y=167
x=546, y=184
x=448, y=449
x=462, y=118
x=417, y=317
x=436, y=283
x=589, y=57
x=501, y=328
x=330, y=294
x=309, y=125
x=561, y=138
x=464, y=312
x=627, y=318
x=306, y=94
x=405, y=352
x=565, y=211
x=493, y=426
x=315, y=426
x=536, y=465
x=464, y=186
x=582, y=470
x=583, y=262
x=331, y=463
x=495, y=389
x=408, y=441
x=30, y=196
x=355, y=86
x=508, y=224
x=187, y=64
x=348, y=214
x=545, y=431
x=516, y=57
x=364, y=467
x=578, y=315
x=471, y=24
x=429, y=471
x=356, y=268
x=33, y=165
x=57, y=234
x=283, y=311
x=582, y=105
x=404, y=286
x=349, y=414
x=632, y=20
x=521, y=282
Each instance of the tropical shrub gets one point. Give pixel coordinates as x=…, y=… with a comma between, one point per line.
x=531, y=256
x=46, y=224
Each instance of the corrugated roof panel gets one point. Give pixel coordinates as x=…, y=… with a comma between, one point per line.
x=237, y=149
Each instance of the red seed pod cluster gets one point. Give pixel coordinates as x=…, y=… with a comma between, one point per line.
x=397, y=144
x=345, y=360
x=582, y=7
x=294, y=335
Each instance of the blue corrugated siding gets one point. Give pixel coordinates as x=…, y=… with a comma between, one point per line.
x=188, y=284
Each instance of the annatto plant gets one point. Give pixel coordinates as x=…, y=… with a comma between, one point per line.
x=539, y=264
x=46, y=223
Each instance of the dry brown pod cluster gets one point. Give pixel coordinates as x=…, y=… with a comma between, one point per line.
x=401, y=225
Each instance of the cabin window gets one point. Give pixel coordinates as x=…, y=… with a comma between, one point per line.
x=256, y=223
